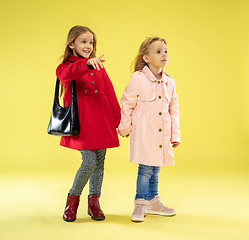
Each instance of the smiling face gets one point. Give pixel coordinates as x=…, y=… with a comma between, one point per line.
x=83, y=45
x=157, y=56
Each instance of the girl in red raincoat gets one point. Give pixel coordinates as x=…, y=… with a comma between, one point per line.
x=99, y=115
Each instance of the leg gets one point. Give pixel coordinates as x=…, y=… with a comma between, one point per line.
x=89, y=162
x=95, y=185
x=143, y=179
x=154, y=204
x=96, y=178
x=87, y=167
x=153, y=184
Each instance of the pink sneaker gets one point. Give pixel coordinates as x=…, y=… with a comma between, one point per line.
x=139, y=210
x=156, y=207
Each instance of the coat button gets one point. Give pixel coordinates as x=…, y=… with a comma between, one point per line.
x=86, y=91
x=160, y=146
x=159, y=97
x=158, y=82
x=160, y=113
x=159, y=129
x=92, y=74
x=84, y=82
x=96, y=91
x=93, y=82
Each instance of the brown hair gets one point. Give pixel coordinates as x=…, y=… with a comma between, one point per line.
x=138, y=63
x=73, y=33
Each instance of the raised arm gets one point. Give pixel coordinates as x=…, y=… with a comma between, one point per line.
x=70, y=71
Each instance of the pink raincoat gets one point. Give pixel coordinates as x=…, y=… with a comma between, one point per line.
x=150, y=115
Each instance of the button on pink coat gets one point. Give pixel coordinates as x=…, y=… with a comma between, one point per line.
x=150, y=115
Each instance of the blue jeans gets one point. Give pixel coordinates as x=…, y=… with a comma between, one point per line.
x=147, y=182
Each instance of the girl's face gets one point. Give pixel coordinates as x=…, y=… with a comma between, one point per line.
x=157, y=56
x=83, y=45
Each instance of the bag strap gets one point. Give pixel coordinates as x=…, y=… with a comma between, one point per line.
x=57, y=88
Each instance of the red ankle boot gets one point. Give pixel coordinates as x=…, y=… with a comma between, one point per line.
x=94, y=209
x=71, y=208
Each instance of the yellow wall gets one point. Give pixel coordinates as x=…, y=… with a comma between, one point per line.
x=208, y=58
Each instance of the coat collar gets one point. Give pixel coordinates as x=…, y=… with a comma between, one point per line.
x=74, y=58
x=152, y=77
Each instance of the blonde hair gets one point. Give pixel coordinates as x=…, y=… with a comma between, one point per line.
x=73, y=33
x=138, y=63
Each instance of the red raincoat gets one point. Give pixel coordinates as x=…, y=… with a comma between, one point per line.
x=99, y=110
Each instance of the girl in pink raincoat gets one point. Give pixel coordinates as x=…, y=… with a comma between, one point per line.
x=150, y=116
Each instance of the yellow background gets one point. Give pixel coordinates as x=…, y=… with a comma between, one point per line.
x=208, y=58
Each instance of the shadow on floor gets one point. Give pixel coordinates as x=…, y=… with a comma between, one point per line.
x=109, y=218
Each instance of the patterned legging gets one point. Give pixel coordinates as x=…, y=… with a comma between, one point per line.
x=92, y=167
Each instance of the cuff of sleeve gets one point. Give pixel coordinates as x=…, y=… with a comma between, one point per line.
x=83, y=64
x=175, y=139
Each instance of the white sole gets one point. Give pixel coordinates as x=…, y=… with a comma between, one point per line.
x=137, y=220
x=161, y=213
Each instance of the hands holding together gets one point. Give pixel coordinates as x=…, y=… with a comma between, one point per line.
x=175, y=144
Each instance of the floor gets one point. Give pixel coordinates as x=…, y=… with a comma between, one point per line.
x=207, y=207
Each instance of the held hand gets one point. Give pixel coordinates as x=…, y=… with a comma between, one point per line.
x=175, y=144
x=122, y=134
x=96, y=62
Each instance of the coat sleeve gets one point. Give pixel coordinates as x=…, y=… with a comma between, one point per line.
x=111, y=96
x=128, y=101
x=174, y=114
x=70, y=71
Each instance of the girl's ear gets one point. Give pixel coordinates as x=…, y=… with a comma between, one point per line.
x=146, y=59
x=71, y=45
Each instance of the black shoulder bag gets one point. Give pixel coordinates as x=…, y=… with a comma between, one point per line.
x=64, y=121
